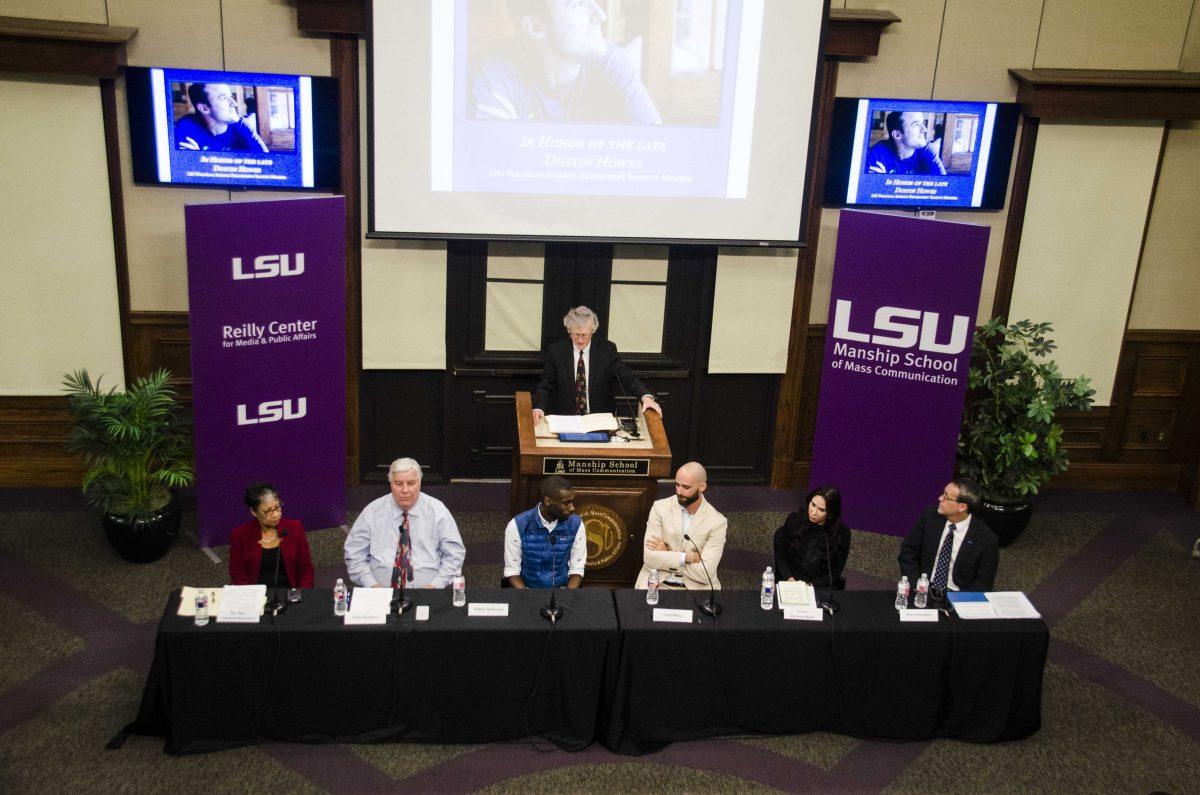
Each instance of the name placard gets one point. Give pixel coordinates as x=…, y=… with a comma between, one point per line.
x=803, y=613
x=350, y=619
x=606, y=467
x=912, y=614
x=487, y=609
x=673, y=615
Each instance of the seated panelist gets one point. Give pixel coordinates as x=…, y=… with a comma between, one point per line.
x=268, y=543
x=685, y=535
x=404, y=538
x=952, y=545
x=577, y=373
x=546, y=546
x=813, y=543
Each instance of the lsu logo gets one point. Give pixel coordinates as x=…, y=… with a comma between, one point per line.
x=273, y=411
x=268, y=266
x=903, y=328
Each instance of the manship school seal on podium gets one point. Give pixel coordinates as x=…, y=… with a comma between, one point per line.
x=606, y=535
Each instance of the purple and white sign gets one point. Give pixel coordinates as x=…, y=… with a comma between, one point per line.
x=266, y=291
x=897, y=354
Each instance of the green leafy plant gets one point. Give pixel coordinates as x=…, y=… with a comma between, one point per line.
x=136, y=443
x=1009, y=440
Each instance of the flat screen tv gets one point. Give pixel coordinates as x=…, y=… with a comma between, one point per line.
x=233, y=129
x=923, y=154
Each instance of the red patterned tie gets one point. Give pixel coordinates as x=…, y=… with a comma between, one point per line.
x=403, y=565
x=580, y=387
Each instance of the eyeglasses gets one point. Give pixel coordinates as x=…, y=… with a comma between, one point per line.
x=276, y=508
x=945, y=496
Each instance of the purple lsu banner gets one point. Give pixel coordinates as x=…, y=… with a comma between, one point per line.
x=266, y=288
x=897, y=354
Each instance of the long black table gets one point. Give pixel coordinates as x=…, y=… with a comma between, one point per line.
x=605, y=672
x=861, y=673
x=306, y=677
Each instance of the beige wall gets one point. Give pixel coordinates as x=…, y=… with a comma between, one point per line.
x=58, y=306
x=403, y=285
x=1079, y=246
x=1112, y=34
x=752, y=310
x=92, y=11
x=1168, y=283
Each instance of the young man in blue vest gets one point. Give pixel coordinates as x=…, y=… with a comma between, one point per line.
x=546, y=546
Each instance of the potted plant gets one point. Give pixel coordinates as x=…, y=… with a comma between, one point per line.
x=137, y=448
x=1009, y=441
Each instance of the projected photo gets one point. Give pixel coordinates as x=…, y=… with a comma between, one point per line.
x=908, y=141
x=219, y=117
x=647, y=120
x=597, y=97
x=633, y=62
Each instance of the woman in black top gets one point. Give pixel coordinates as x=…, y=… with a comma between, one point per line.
x=814, y=542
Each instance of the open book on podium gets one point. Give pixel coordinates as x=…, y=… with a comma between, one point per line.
x=586, y=423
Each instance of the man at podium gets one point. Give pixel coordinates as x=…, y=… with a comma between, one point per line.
x=577, y=373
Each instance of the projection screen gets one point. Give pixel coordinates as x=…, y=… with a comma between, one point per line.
x=613, y=120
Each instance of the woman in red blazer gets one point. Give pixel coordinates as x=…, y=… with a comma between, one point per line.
x=269, y=543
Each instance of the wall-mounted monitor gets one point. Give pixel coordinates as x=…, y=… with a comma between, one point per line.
x=928, y=154
x=655, y=120
x=233, y=129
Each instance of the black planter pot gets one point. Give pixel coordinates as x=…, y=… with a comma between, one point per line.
x=144, y=540
x=1007, y=517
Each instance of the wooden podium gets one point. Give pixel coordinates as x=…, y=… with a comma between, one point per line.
x=615, y=485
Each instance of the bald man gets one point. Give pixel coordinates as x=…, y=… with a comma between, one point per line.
x=685, y=535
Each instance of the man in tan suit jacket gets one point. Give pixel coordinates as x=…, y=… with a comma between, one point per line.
x=679, y=563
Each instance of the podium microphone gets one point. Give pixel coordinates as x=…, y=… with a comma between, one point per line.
x=632, y=429
x=710, y=607
x=552, y=612
x=277, y=605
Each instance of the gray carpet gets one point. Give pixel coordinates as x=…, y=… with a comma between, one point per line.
x=1110, y=572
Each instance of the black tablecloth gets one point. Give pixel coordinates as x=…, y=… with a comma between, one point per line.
x=306, y=677
x=861, y=673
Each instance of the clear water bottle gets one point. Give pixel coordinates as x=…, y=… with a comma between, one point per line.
x=902, y=593
x=201, y=607
x=922, y=597
x=652, y=588
x=460, y=589
x=767, y=594
x=341, y=598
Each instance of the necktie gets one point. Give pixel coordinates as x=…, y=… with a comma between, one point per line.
x=941, y=569
x=402, y=568
x=580, y=387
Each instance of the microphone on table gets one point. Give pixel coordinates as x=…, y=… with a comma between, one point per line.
x=552, y=612
x=277, y=605
x=710, y=607
x=828, y=604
